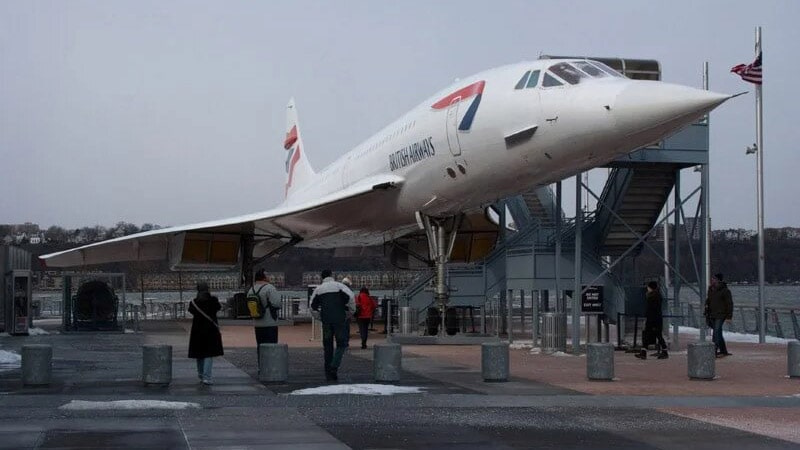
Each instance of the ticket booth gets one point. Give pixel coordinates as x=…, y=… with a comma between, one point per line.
x=18, y=300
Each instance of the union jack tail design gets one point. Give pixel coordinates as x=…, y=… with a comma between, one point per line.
x=298, y=170
x=749, y=72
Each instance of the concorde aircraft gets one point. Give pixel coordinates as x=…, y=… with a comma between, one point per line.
x=427, y=178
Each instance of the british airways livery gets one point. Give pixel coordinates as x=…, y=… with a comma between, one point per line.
x=430, y=174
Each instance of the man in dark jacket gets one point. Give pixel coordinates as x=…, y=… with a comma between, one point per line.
x=654, y=323
x=334, y=303
x=719, y=308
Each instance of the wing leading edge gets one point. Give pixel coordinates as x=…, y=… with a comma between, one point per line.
x=217, y=243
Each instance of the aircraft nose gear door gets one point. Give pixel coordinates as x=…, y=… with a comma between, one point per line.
x=452, y=127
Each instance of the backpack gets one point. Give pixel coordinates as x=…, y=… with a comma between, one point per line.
x=254, y=305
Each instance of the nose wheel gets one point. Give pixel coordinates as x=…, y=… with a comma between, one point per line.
x=441, y=233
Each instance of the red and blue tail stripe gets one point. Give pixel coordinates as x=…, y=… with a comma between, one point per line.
x=474, y=89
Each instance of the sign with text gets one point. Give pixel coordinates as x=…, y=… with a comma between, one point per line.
x=592, y=299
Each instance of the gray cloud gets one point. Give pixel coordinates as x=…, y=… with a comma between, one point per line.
x=173, y=112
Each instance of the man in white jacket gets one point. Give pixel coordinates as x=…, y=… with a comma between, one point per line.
x=335, y=303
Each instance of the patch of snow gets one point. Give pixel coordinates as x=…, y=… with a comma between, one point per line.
x=517, y=345
x=359, y=389
x=83, y=405
x=730, y=336
x=5, y=335
x=560, y=354
x=37, y=332
x=9, y=360
x=129, y=331
x=536, y=351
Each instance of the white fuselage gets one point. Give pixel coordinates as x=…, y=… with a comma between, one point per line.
x=562, y=129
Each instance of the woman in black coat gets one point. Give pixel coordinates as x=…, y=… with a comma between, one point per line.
x=205, y=340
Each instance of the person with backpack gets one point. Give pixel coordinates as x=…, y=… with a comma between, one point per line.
x=263, y=303
x=205, y=339
x=335, y=304
x=365, y=307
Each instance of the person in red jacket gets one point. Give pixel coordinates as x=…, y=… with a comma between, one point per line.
x=365, y=306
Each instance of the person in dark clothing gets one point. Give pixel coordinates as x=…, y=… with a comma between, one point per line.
x=654, y=324
x=334, y=303
x=205, y=339
x=719, y=308
x=365, y=306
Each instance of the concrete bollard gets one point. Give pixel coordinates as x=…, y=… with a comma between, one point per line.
x=793, y=356
x=701, y=360
x=273, y=363
x=600, y=361
x=494, y=361
x=37, y=364
x=157, y=364
x=387, y=361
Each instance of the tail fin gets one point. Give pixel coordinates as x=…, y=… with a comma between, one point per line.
x=298, y=171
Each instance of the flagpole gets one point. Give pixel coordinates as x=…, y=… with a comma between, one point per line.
x=760, y=201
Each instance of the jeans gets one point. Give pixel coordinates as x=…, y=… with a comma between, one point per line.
x=265, y=335
x=363, y=330
x=341, y=333
x=719, y=341
x=204, y=368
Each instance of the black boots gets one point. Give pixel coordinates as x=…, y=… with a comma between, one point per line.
x=331, y=374
x=659, y=355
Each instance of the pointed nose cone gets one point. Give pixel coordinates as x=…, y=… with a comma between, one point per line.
x=648, y=111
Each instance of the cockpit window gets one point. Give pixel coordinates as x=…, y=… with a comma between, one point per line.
x=567, y=73
x=534, y=79
x=591, y=70
x=607, y=69
x=523, y=81
x=550, y=81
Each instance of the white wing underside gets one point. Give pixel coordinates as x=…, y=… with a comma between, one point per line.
x=336, y=219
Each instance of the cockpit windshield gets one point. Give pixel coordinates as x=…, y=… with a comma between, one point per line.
x=568, y=73
x=575, y=72
x=590, y=70
x=606, y=69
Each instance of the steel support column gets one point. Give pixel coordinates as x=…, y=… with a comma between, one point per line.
x=576, y=292
x=704, y=243
x=676, y=257
x=559, y=304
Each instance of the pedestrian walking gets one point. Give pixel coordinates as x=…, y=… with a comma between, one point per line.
x=654, y=324
x=719, y=308
x=335, y=304
x=365, y=307
x=205, y=339
x=266, y=327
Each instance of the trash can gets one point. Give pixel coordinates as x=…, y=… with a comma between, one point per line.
x=408, y=320
x=554, y=332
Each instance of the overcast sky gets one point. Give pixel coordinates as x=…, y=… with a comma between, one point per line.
x=173, y=112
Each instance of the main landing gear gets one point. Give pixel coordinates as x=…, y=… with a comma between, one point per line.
x=441, y=233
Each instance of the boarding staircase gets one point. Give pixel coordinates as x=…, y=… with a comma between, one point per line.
x=631, y=203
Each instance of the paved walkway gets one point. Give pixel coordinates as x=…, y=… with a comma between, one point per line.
x=547, y=404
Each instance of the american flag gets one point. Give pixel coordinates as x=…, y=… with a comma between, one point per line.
x=749, y=72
